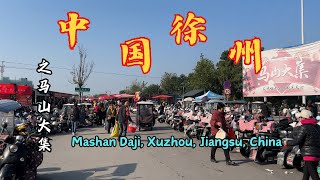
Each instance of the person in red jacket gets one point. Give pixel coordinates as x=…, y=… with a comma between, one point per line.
x=218, y=121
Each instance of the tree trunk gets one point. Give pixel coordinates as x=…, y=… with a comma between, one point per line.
x=80, y=94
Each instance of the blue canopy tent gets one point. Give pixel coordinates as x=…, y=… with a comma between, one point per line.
x=209, y=95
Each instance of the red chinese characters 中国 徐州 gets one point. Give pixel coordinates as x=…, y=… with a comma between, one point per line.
x=137, y=52
x=74, y=23
x=246, y=50
x=190, y=29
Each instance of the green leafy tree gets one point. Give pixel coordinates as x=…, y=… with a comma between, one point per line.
x=174, y=84
x=203, y=76
x=185, y=85
x=123, y=91
x=227, y=70
x=151, y=90
x=134, y=87
x=188, y=83
x=169, y=83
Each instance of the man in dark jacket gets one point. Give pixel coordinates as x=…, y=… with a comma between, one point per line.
x=123, y=119
x=314, y=110
x=308, y=139
x=161, y=109
x=75, y=118
x=265, y=110
x=218, y=121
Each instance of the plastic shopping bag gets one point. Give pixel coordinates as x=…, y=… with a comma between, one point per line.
x=115, y=131
x=132, y=128
x=221, y=134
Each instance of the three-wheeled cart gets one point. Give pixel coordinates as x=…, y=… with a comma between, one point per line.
x=144, y=116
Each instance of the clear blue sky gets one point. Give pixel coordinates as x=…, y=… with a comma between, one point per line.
x=29, y=32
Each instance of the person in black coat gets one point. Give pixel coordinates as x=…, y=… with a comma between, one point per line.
x=308, y=139
x=122, y=118
x=75, y=118
x=101, y=114
x=314, y=110
x=265, y=110
x=161, y=109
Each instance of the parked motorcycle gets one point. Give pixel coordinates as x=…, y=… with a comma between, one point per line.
x=290, y=156
x=203, y=130
x=162, y=118
x=54, y=125
x=246, y=126
x=178, y=123
x=20, y=156
x=194, y=128
x=93, y=118
x=171, y=115
x=64, y=123
x=263, y=153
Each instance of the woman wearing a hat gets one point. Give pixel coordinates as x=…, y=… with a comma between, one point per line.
x=308, y=139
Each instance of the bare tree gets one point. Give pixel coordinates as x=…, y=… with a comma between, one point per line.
x=81, y=73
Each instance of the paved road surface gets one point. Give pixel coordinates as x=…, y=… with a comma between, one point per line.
x=65, y=162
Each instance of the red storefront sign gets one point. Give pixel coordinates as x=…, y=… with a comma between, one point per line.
x=23, y=94
x=9, y=89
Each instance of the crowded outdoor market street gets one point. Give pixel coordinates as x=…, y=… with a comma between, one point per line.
x=164, y=89
x=65, y=162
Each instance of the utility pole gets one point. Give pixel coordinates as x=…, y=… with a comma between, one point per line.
x=2, y=69
x=304, y=98
x=201, y=56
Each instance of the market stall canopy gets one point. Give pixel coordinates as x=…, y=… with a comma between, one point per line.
x=8, y=105
x=92, y=98
x=104, y=97
x=209, y=95
x=216, y=101
x=119, y=96
x=189, y=99
x=193, y=93
x=126, y=96
x=161, y=97
x=116, y=95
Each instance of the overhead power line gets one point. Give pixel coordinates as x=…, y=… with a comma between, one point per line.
x=62, y=68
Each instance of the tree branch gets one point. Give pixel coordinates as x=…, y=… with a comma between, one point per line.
x=82, y=72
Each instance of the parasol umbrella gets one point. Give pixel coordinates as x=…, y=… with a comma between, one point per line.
x=92, y=99
x=104, y=97
x=162, y=97
x=118, y=96
x=126, y=96
x=188, y=99
x=8, y=105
